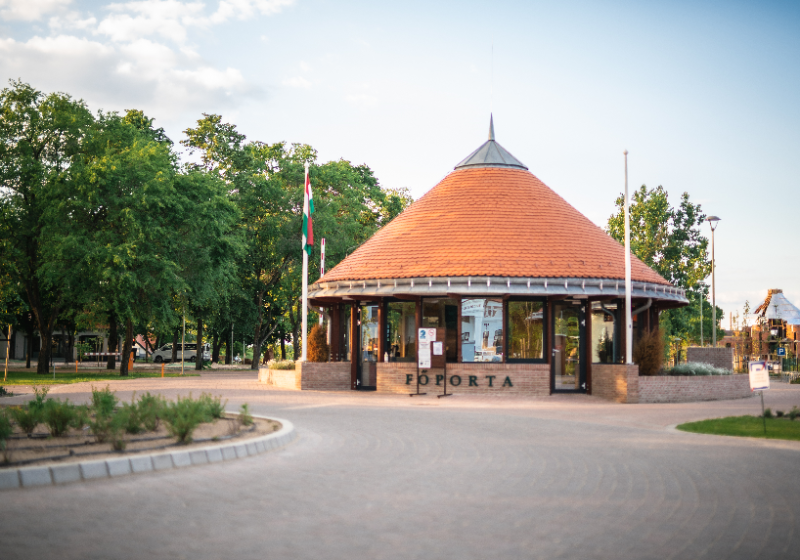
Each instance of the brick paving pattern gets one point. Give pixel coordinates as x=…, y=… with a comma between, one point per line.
x=471, y=477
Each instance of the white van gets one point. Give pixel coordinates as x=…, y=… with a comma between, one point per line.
x=164, y=354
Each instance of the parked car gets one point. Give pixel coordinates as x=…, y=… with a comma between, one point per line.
x=164, y=354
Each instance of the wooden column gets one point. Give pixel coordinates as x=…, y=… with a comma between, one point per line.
x=458, y=331
x=335, y=318
x=355, y=346
x=383, y=328
x=418, y=311
x=588, y=343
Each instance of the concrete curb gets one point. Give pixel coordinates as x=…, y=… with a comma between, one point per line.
x=25, y=477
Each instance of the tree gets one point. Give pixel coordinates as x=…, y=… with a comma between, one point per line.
x=668, y=240
x=40, y=136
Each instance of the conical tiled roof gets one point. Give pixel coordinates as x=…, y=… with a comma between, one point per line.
x=490, y=221
x=777, y=306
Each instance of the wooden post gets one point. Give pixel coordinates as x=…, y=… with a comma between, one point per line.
x=355, y=346
x=383, y=328
x=588, y=344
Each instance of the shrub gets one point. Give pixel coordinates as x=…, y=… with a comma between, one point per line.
x=27, y=418
x=129, y=418
x=104, y=401
x=212, y=406
x=58, y=416
x=39, y=394
x=649, y=352
x=182, y=417
x=150, y=410
x=318, y=344
x=794, y=413
x=767, y=412
x=244, y=415
x=3, y=392
x=698, y=368
x=5, y=428
x=779, y=413
x=285, y=364
x=795, y=381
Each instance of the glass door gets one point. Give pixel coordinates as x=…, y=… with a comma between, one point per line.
x=368, y=356
x=569, y=334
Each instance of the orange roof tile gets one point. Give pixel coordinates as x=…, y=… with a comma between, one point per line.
x=490, y=221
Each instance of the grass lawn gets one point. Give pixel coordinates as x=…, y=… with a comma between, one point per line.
x=30, y=377
x=746, y=426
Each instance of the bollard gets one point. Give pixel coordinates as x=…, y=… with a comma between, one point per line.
x=162, y=370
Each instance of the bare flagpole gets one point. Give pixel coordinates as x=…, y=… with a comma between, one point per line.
x=628, y=318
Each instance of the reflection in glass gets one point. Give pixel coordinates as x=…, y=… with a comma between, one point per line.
x=369, y=345
x=481, y=330
x=402, y=322
x=604, y=343
x=442, y=313
x=566, y=346
x=526, y=330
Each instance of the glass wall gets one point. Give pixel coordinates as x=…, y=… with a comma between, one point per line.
x=369, y=330
x=526, y=330
x=402, y=329
x=442, y=313
x=567, y=357
x=604, y=339
x=482, y=330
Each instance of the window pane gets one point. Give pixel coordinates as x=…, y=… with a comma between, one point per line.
x=526, y=330
x=402, y=321
x=604, y=348
x=481, y=330
x=369, y=333
x=442, y=313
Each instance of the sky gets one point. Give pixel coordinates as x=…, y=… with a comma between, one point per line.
x=703, y=94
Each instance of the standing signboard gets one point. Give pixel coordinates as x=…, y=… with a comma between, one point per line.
x=426, y=338
x=759, y=381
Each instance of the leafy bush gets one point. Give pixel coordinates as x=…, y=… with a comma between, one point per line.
x=767, y=412
x=104, y=401
x=698, y=368
x=39, y=394
x=286, y=364
x=244, y=415
x=150, y=411
x=795, y=381
x=58, y=416
x=649, y=352
x=779, y=413
x=3, y=391
x=318, y=344
x=5, y=427
x=794, y=413
x=213, y=407
x=129, y=418
x=183, y=416
x=27, y=418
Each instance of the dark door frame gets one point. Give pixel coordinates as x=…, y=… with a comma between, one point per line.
x=582, y=351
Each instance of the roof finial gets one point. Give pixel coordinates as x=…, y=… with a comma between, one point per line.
x=491, y=127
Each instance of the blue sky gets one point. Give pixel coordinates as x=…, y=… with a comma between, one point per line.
x=704, y=95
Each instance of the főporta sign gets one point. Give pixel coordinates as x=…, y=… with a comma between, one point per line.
x=456, y=380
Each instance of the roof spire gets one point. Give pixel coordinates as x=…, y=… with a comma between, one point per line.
x=491, y=127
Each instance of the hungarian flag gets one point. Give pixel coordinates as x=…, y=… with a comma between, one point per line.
x=308, y=209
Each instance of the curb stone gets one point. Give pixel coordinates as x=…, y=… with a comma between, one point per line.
x=72, y=472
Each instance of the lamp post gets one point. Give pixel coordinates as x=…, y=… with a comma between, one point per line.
x=712, y=221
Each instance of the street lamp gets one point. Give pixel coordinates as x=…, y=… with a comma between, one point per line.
x=712, y=221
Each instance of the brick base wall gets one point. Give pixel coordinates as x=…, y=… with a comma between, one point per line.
x=688, y=388
x=717, y=357
x=471, y=379
x=325, y=376
x=616, y=382
x=309, y=376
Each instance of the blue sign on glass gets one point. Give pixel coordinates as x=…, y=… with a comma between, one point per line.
x=781, y=351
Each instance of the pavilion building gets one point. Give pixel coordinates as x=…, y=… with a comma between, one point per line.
x=525, y=293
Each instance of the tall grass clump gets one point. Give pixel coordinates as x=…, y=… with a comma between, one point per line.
x=213, y=407
x=698, y=368
x=183, y=416
x=285, y=364
x=5, y=431
x=151, y=410
x=104, y=401
x=648, y=353
x=58, y=416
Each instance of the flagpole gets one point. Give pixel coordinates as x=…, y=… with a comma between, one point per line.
x=305, y=273
x=628, y=318
x=321, y=268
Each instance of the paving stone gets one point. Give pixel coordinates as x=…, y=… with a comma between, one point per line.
x=241, y=450
x=35, y=476
x=162, y=461
x=214, y=455
x=181, y=459
x=260, y=448
x=118, y=467
x=9, y=478
x=198, y=457
x=141, y=464
x=69, y=472
x=252, y=449
x=94, y=469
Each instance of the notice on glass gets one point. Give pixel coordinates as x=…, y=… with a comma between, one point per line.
x=424, y=355
x=759, y=376
x=427, y=335
x=438, y=348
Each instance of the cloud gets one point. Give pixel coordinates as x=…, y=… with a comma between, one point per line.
x=30, y=10
x=361, y=99
x=297, y=82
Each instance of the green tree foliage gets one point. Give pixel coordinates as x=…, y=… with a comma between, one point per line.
x=669, y=240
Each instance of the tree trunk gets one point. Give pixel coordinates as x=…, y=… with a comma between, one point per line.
x=45, y=350
x=175, y=346
x=70, y=348
x=13, y=353
x=198, y=361
x=228, y=350
x=126, y=349
x=283, y=345
x=216, y=348
x=113, y=337
x=29, y=353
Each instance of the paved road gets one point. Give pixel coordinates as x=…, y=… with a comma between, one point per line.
x=389, y=477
